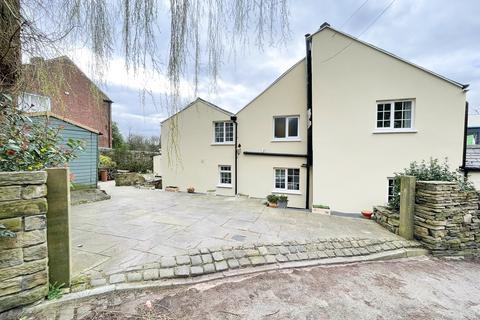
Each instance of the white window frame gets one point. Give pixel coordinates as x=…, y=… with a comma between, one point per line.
x=287, y=137
x=26, y=97
x=224, y=142
x=220, y=171
x=391, y=128
x=285, y=190
x=392, y=179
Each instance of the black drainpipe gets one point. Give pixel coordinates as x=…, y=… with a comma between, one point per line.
x=308, y=45
x=234, y=119
x=465, y=125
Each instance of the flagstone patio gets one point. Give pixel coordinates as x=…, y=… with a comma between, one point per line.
x=139, y=226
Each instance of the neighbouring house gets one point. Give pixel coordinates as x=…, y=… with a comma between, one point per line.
x=59, y=86
x=332, y=130
x=472, y=152
x=83, y=169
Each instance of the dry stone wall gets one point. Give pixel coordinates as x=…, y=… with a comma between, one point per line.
x=446, y=219
x=23, y=258
x=388, y=218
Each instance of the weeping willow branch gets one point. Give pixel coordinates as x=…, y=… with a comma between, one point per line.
x=200, y=33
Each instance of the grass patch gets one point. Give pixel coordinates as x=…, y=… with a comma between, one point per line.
x=54, y=291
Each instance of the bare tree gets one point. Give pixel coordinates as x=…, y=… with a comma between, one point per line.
x=199, y=29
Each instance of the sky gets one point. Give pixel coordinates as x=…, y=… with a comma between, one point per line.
x=439, y=35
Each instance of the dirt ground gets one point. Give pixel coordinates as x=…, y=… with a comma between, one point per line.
x=415, y=288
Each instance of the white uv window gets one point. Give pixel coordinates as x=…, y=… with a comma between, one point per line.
x=223, y=132
x=287, y=179
x=30, y=102
x=394, y=115
x=285, y=127
x=225, y=174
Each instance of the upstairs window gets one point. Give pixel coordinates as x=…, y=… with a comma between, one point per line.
x=395, y=115
x=285, y=128
x=30, y=102
x=223, y=132
x=287, y=179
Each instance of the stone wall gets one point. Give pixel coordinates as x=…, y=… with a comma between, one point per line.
x=387, y=218
x=447, y=220
x=23, y=259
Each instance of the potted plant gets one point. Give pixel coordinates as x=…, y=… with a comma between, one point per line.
x=320, y=208
x=191, y=190
x=367, y=214
x=282, y=201
x=272, y=200
x=106, y=164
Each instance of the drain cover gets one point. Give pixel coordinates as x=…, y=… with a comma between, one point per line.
x=238, y=237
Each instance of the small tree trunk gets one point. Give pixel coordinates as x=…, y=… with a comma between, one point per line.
x=10, y=54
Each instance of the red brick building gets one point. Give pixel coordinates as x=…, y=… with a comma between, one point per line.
x=60, y=87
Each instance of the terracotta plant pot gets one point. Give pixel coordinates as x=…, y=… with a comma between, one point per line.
x=367, y=214
x=191, y=190
x=103, y=175
x=272, y=204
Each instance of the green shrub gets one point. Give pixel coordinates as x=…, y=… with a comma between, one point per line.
x=272, y=198
x=429, y=171
x=125, y=159
x=282, y=198
x=106, y=162
x=26, y=145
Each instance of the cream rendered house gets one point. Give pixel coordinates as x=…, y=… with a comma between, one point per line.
x=331, y=130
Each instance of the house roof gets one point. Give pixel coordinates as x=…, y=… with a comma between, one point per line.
x=326, y=26
x=54, y=115
x=198, y=99
x=63, y=59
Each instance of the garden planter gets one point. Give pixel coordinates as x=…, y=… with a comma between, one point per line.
x=191, y=190
x=272, y=204
x=171, y=189
x=325, y=211
x=282, y=204
x=103, y=175
x=367, y=214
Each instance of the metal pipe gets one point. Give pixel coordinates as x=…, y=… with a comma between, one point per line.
x=465, y=125
x=308, y=46
x=234, y=119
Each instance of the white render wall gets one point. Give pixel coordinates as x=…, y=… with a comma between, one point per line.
x=351, y=163
x=157, y=165
x=189, y=157
x=285, y=97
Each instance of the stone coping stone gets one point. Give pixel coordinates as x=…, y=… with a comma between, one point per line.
x=22, y=178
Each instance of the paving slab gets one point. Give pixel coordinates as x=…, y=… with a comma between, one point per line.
x=139, y=226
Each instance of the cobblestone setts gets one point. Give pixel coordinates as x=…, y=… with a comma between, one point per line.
x=206, y=261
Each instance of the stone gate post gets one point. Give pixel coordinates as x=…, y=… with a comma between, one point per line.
x=407, y=206
x=58, y=225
